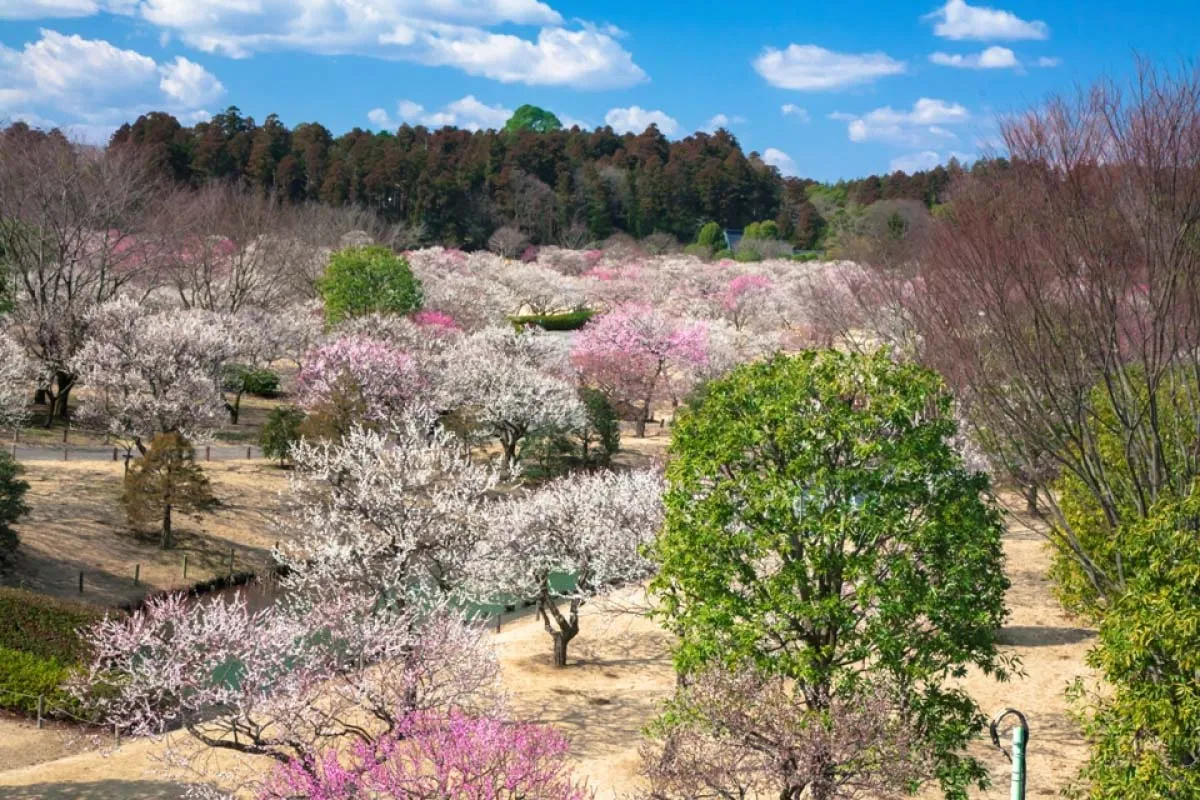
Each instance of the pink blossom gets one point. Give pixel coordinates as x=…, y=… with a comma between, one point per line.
x=431, y=756
x=436, y=319
x=384, y=376
x=631, y=352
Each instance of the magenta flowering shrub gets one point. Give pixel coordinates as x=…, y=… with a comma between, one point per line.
x=436, y=756
x=436, y=320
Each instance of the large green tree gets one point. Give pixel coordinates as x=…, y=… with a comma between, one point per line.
x=1144, y=725
x=532, y=118
x=371, y=279
x=820, y=527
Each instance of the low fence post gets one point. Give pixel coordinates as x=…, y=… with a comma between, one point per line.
x=66, y=431
x=81, y=581
x=185, y=565
x=137, y=573
x=247, y=453
x=41, y=708
x=65, y=451
x=114, y=455
x=208, y=452
x=499, y=614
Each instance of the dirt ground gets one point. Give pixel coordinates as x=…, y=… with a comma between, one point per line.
x=77, y=525
x=620, y=673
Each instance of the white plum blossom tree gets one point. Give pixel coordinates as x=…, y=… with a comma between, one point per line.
x=153, y=372
x=15, y=373
x=510, y=385
x=284, y=684
x=575, y=538
x=394, y=512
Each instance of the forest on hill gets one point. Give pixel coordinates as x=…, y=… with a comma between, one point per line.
x=569, y=187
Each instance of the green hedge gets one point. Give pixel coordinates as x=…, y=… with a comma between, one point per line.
x=24, y=676
x=570, y=321
x=44, y=627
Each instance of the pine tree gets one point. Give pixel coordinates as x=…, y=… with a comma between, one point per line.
x=165, y=479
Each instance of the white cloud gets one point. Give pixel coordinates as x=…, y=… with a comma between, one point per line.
x=468, y=113
x=780, y=160
x=722, y=121
x=453, y=33
x=793, y=110
x=808, y=67
x=189, y=83
x=1046, y=61
x=926, y=159
x=569, y=122
x=97, y=82
x=991, y=58
x=958, y=20
x=41, y=9
x=924, y=122
x=636, y=119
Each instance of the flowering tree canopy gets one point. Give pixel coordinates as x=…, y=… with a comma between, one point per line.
x=285, y=682
x=381, y=379
x=15, y=373
x=508, y=385
x=434, y=756
x=397, y=511
x=154, y=372
x=589, y=529
x=630, y=352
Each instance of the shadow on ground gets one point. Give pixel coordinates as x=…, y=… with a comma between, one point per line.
x=97, y=790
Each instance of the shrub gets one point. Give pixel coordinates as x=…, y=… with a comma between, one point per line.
x=251, y=380
x=44, y=626
x=365, y=280
x=723, y=254
x=601, y=437
x=281, y=431
x=1089, y=525
x=746, y=254
x=24, y=676
x=569, y=321
x=710, y=236
x=12, y=505
x=1144, y=725
x=701, y=251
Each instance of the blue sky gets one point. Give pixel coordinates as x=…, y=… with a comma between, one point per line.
x=822, y=89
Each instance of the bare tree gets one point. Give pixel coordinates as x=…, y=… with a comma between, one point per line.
x=1061, y=299
x=72, y=228
x=507, y=242
x=533, y=206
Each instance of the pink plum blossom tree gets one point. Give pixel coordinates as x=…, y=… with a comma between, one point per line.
x=436, y=756
x=380, y=377
x=631, y=352
x=286, y=683
x=589, y=529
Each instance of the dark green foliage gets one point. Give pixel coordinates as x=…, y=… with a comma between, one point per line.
x=601, y=437
x=532, y=118
x=12, y=505
x=724, y=253
x=40, y=647
x=821, y=528
x=767, y=229
x=281, y=431
x=1144, y=723
x=163, y=480
x=710, y=236
x=747, y=253
x=251, y=380
x=44, y=626
x=569, y=321
x=365, y=280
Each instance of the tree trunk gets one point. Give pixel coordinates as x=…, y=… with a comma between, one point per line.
x=639, y=425
x=1031, y=501
x=166, y=527
x=234, y=408
x=560, y=648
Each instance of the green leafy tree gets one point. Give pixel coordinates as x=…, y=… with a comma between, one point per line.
x=821, y=528
x=710, y=236
x=1144, y=726
x=164, y=480
x=366, y=280
x=1093, y=541
x=767, y=229
x=12, y=505
x=280, y=432
x=532, y=118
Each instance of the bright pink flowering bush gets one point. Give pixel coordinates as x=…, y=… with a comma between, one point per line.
x=436, y=319
x=435, y=756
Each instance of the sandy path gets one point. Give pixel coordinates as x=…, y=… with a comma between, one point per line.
x=620, y=673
